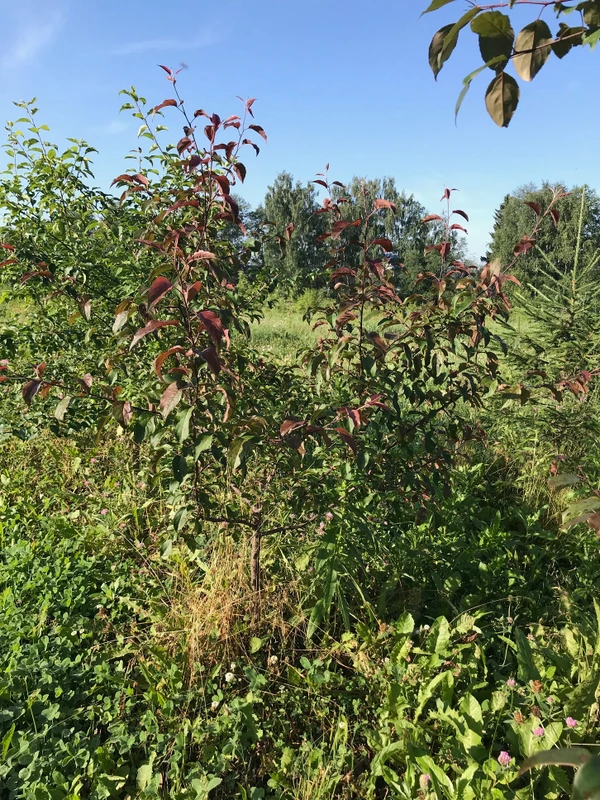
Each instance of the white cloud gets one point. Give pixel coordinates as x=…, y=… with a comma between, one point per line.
x=205, y=39
x=115, y=127
x=28, y=32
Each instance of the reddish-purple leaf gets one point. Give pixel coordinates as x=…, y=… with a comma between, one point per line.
x=289, y=425
x=213, y=325
x=223, y=183
x=43, y=273
x=289, y=230
x=164, y=104
x=152, y=326
x=211, y=357
x=251, y=143
x=158, y=290
x=169, y=399
x=555, y=216
x=461, y=213
x=341, y=225
x=381, y=203
x=384, y=243
x=240, y=171
x=166, y=69
x=321, y=183
x=142, y=179
x=86, y=382
x=8, y=261
x=535, y=206
x=431, y=218
x=259, y=130
x=183, y=144
x=200, y=254
x=122, y=179
x=127, y=412
x=29, y=390
x=456, y=227
x=8, y=247
x=347, y=438
x=162, y=357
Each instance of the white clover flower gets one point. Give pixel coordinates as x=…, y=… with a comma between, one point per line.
x=214, y=705
x=273, y=660
x=229, y=677
x=232, y=666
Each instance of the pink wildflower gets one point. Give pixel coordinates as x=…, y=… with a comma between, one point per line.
x=511, y=682
x=104, y=512
x=424, y=780
x=571, y=723
x=539, y=731
x=93, y=460
x=549, y=700
x=504, y=758
x=329, y=516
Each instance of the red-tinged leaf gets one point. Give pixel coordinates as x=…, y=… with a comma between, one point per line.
x=235, y=209
x=192, y=291
x=141, y=179
x=321, y=183
x=259, y=130
x=7, y=247
x=251, y=143
x=182, y=204
x=213, y=325
x=524, y=246
x=192, y=162
x=456, y=227
x=289, y=230
x=342, y=271
x=201, y=113
x=166, y=69
x=341, y=225
x=150, y=243
x=337, y=183
x=535, y=206
x=381, y=203
x=153, y=325
x=240, y=171
x=162, y=357
x=85, y=308
x=211, y=357
x=164, y=104
x=290, y=424
x=384, y=243
x=160, y=287
x=169, y=399
x=376, y=403
x=431, y=218
x=43, y=273
x=201, y=254
x=227, y=337
x=354, y=416
x=344, y=318
x=554, y=213
x=347, y=438
x=210, y=132
x=447, y=193
x=183, y=144
x=39, y=369
x=29, y=390
x=8, y=261
x=86, y=382
x=235, y=124
x=123, y=179
x=461, y=213
x=223, y=183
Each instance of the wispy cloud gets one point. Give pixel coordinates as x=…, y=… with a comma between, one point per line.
x=205, y=39
x=115, y=127
x=28, y=32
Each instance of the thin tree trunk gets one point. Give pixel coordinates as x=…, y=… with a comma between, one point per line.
x=255, y=572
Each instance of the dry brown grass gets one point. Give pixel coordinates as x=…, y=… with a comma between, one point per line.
x=212, y=619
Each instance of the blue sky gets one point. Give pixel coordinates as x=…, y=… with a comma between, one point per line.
x=341, y=82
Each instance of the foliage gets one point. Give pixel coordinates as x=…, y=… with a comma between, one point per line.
x=555, y=242
x=528, y=51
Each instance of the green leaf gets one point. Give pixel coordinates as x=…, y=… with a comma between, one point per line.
x=182, y=429
x=255, y=644
x=527, y=670
x=496, y=37
x=238, y=450
x=535, y=40
x=427, y=691
x=439, y=50
x=204, y=442
x=564, y=756
x=6, y=740
x=435, y=4
x=586, y=785
x=144, y=776
x=502, y=99
x=61, y=408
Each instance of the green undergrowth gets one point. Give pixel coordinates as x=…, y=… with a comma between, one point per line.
x=134, y=666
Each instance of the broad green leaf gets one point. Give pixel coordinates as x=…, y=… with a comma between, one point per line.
x=435, y=4
x=496, y=37
x=527, y=670
x=6, y=740
x=405, y=625
x=441, y=782
x=427, y=691
x=204, y=442
x=439, y=50
x=564, y=756
x=559, y=481
x=255, y=644
x=61, y=408
x=533, y=49
x=586, y=785
x=144, y=776
x=502, y=99
x=182, y=429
